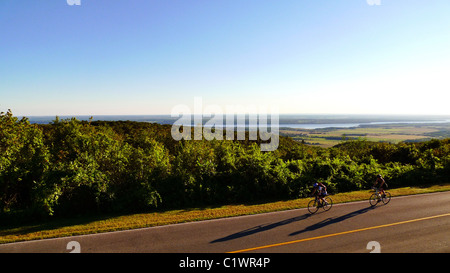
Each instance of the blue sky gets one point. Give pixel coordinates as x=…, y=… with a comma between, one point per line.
x=147, y=56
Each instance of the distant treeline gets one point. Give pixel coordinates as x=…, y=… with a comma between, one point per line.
x=71, y=167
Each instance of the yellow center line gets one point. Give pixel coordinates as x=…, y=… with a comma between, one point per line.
x=340, y=233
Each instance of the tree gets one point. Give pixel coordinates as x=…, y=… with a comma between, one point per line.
x=23, y=162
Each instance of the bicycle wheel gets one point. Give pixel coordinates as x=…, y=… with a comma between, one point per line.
x=387, y=198
x=373, y=200
x=329, y=203
x=312, y=206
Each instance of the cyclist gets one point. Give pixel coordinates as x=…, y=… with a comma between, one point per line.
x=380, y=184
x=321, y=190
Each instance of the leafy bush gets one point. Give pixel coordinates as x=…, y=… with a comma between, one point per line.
x=24, y=160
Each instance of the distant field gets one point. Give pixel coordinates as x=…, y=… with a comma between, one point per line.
x=393, y=133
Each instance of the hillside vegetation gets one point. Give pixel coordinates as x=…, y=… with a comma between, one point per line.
x=71, y=167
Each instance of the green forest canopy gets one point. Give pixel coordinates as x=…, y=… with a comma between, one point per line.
x=70, y=167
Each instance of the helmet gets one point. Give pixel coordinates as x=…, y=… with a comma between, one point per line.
x=379, y=176
x=315, y=185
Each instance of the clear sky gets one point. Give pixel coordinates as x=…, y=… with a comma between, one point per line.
x=147, y=56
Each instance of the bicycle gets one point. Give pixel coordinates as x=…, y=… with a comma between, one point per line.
x=314, y=205
x=376, y=197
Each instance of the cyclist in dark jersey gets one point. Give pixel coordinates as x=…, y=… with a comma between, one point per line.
x=380, y=184
x=321, y=190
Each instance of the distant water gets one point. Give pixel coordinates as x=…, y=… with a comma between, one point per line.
x=163, y=119
x=286, y=121
x=320, y=126
x=351, y=125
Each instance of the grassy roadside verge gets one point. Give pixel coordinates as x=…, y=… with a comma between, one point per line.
x=63, y=228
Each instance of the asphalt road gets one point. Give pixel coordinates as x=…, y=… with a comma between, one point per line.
x=419, y=223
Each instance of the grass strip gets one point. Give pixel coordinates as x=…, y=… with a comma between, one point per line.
x=89, y=225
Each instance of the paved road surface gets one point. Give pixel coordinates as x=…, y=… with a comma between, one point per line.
x=419, y=223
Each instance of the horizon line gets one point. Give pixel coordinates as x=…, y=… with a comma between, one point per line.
x=225, y=114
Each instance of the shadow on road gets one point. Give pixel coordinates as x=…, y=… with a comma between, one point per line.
x=331, y=221
x=261, y=228
x=318, y=225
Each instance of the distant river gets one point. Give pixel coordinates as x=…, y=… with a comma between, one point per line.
x=351, y=125
x=312, y=126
